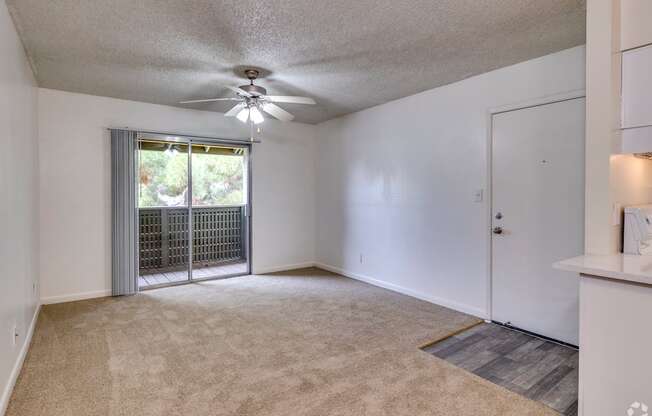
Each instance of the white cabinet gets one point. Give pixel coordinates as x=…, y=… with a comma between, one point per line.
x=615, y=339
x=615, y=333
x=636, y=29
x=637, y=87
x=637, y=140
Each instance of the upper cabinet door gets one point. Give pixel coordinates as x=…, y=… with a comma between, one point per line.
x=637, y=87
x=636, y=29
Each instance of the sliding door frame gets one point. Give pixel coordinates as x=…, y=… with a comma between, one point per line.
x=195, y=140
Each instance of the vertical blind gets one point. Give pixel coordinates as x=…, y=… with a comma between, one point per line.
x=124, y=235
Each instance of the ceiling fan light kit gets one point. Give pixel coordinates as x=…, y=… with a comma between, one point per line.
x=255, y=115
x=243, y=115
x=253, y=100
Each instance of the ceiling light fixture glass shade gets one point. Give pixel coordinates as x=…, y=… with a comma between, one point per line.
x=243, y=115
x=256, y=116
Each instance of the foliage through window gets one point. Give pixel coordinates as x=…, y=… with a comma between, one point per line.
x=217, y=179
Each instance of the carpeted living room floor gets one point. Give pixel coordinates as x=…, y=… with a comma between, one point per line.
x=306, y=342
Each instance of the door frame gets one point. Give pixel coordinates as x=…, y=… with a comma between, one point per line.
x=491, y=112
x=190, y=140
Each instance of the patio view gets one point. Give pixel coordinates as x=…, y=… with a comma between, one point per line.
x=217, y=189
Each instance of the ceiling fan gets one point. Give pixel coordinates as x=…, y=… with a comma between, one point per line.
x=252, y=99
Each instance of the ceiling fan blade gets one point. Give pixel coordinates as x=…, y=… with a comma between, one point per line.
x=235, y=110
x=209, y=100
x=289, y=99
x=240, y=91
x=276, y=111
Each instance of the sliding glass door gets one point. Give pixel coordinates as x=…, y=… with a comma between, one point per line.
x=193, y=203
x=219, y=176
x=164, y=248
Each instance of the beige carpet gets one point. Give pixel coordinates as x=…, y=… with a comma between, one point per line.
x=295, y=343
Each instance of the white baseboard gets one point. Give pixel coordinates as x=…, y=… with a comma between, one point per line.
x=471, y=310
x=13, y=377
x=460, y=307
x=274, y=269
x=75, y=296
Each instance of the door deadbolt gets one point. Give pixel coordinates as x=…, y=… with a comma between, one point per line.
x=499, y=215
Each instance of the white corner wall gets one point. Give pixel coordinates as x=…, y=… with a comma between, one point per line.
x=19, y=298
x=396, y=183
x=75, y=188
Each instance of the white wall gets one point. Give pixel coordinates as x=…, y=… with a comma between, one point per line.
x=18, y=203
x=75, y=186
x=396, y=183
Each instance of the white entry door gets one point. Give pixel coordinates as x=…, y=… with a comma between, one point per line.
x=538, y=217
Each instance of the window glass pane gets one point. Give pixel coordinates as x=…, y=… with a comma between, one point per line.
x=164, y=243
x=217, y=177
x=163, y=175
x=218, y=211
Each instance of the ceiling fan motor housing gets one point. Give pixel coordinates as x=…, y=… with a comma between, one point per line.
x=254, y=90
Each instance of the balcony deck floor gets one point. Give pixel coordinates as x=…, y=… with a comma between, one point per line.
x=156, y=279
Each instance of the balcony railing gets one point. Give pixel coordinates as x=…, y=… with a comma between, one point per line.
x=218, y=237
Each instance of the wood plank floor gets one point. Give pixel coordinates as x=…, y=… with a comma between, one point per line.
x=156, y=279
x=538, y=369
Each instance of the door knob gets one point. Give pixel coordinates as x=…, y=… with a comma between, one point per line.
x=498, y=230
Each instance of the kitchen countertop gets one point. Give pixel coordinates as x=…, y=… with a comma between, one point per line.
x=625, y=267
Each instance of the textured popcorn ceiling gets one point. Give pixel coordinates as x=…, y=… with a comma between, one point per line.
x=347, y=54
